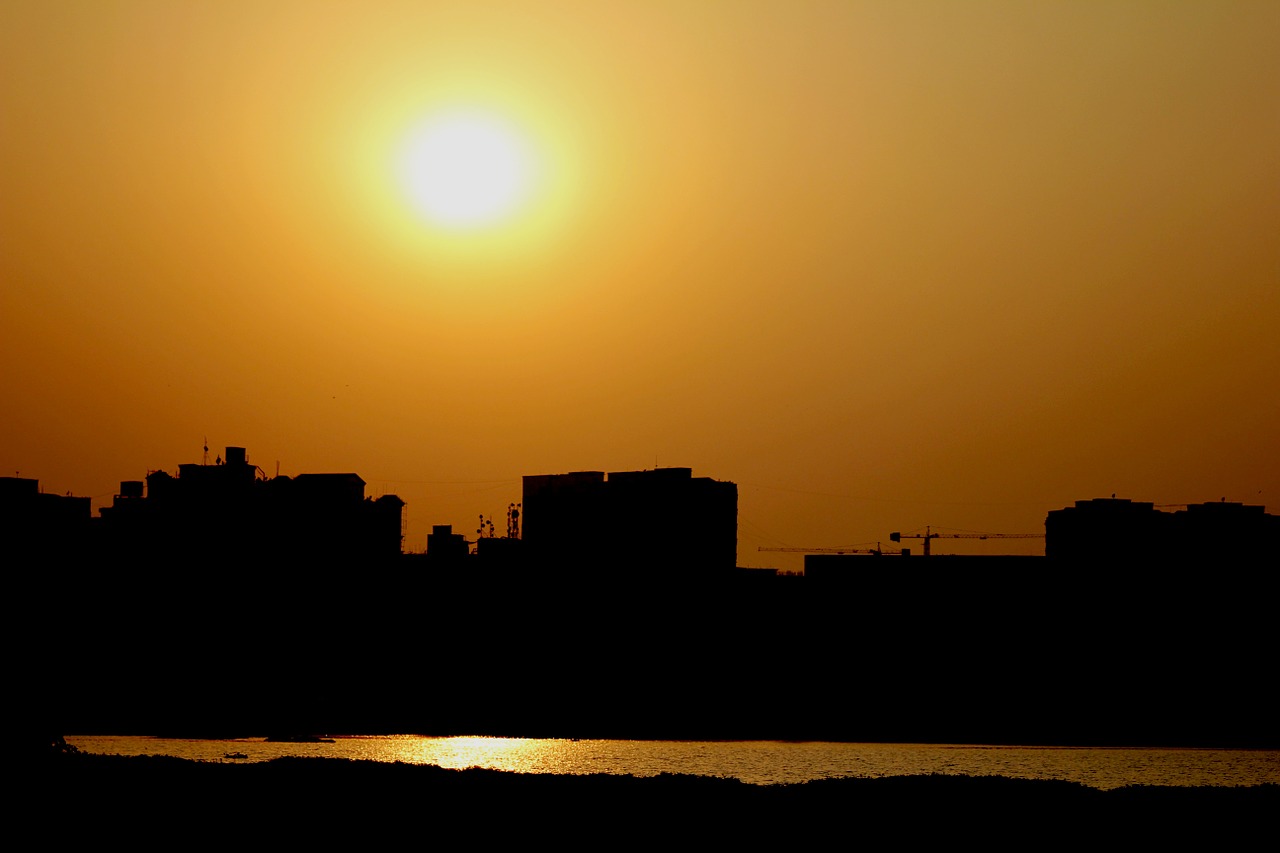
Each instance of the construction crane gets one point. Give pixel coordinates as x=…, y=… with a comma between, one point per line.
x=929, y=535
x=875, y=551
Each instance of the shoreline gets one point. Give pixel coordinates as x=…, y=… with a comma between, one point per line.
x=318, y=797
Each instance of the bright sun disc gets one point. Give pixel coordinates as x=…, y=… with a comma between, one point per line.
x=465, y=170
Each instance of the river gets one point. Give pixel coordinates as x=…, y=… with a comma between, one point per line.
x=756, y=762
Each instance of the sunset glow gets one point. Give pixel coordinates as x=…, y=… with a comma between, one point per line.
x=883, y=264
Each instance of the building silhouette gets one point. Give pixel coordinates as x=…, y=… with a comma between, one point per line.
x=655, y=521
x=41, y=526
x=446, y=549
x=1110, y=529
x=232, y=511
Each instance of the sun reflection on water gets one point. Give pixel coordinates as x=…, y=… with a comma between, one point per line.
x=497, y=753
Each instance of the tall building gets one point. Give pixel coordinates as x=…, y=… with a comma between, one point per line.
x=659, y=521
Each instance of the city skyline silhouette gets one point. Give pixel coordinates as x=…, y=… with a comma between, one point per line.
x=614, y=606
x=655, y=520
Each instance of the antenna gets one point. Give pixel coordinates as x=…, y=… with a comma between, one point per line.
x=205, y=459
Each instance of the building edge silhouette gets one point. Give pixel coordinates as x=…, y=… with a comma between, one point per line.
x=634, y=521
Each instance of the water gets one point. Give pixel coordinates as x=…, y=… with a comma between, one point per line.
x=755, y=762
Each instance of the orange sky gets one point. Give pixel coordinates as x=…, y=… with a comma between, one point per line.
x=883, y=264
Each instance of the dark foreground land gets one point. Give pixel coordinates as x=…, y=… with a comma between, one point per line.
x=1078, y=655
x=148, y=801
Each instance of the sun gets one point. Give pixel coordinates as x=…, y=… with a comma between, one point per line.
x=466, y=170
